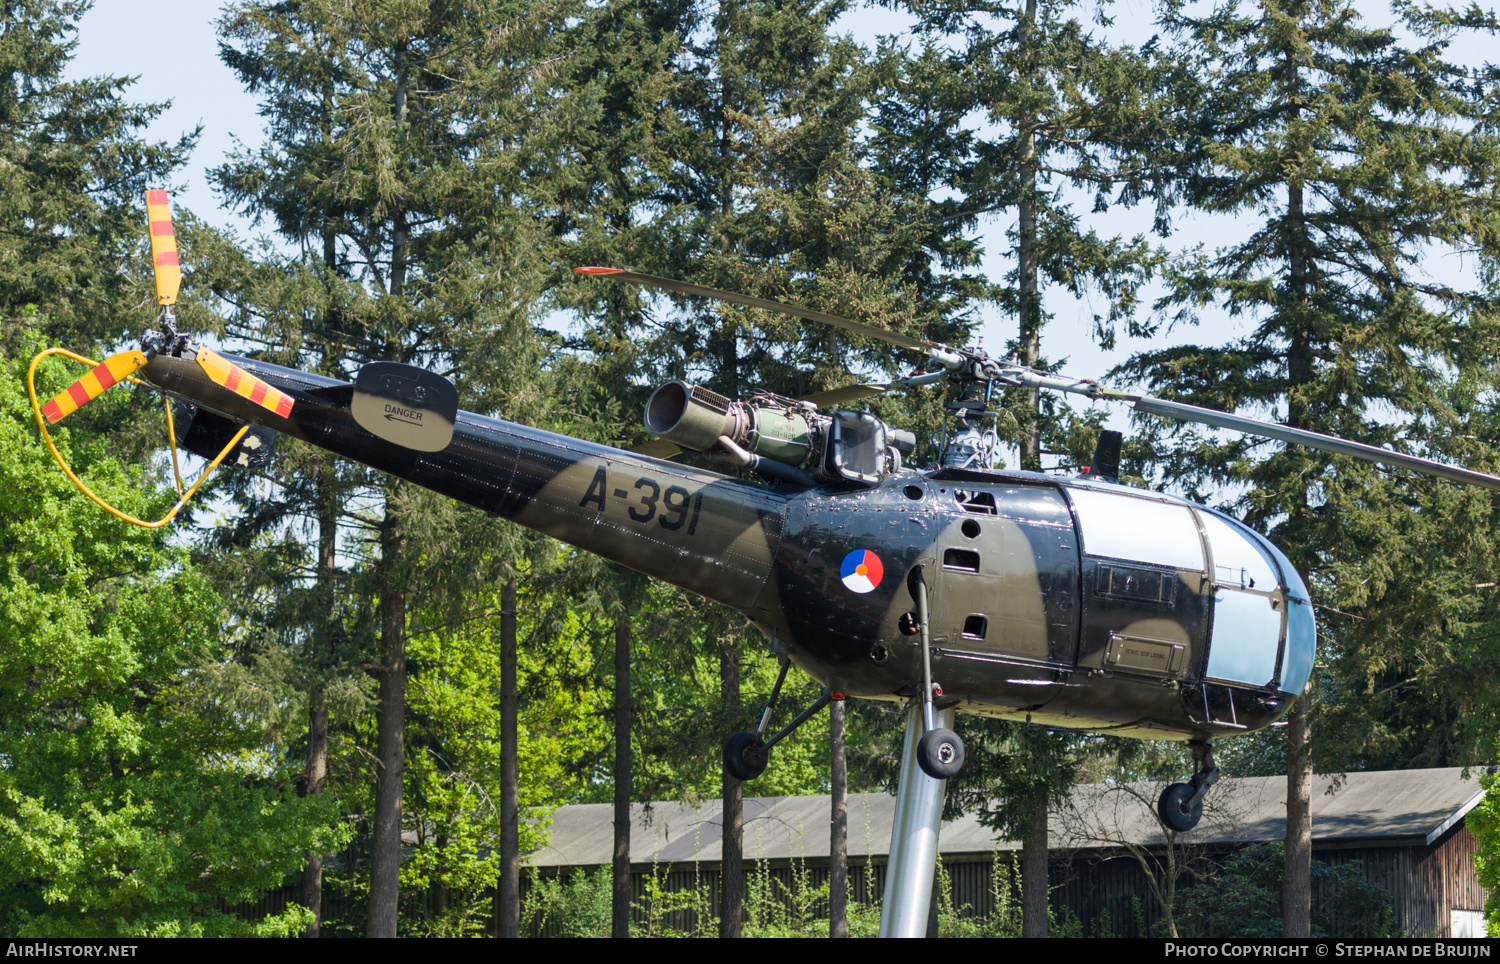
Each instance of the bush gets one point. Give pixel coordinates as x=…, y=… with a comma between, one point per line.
x=1245, y=899
x=579, y=906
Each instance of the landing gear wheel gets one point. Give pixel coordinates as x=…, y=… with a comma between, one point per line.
x=1174, y=810
x=940, y=754
x=745, y=757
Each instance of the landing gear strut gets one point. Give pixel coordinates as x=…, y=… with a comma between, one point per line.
x=747, y=754
x=1181, y=804
x=940, y=752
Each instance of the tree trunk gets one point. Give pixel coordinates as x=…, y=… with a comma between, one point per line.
x=732, y=863
x=510, y=790
x=620, y=899
x=439, y=892
x=1031, y=302
x=1034, y=872
x=1296, y=893
x=1169, y=888
x=390, y=737
x=838, y=836
x=310, y=882
x=1299, y=359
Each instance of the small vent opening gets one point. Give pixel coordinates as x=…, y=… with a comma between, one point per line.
x=980, y=502
x=975, y=626
x=961, y=560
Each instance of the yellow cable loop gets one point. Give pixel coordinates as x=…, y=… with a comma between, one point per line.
x=183, y=497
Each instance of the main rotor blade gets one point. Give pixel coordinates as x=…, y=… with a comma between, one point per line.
x=1317, y=440
x=163, y=248
x=848, y=393
x=237, y=380
x=869, y=331
x=658, y=448
x=106, y=374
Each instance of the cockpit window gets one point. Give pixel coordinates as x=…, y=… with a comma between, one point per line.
x=1122, y=527
x=1238, y=561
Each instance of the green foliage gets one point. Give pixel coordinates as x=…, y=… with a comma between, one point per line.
x=1010, y=766
x=1004, y=919
x=451, y=802
x=1066, y=115
x=685, y=912
x=1258, y=754
x=780, y=903
x=137, y=793
x=414, y=154
x=1484, y=823
x=682, y=720
x=437, y=167
x=777, y=907
x=1244, y=900
x=579, y=906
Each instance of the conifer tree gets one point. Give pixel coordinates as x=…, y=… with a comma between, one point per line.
x=623, y=50
x=1351, y=157
x=762, y=191
x=428, y=187
x=1068, y=115
x=73, y=175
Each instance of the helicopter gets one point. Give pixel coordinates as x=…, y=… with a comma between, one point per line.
x=1071, y=603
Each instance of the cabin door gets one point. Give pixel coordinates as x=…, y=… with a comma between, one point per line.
x=1007, y=576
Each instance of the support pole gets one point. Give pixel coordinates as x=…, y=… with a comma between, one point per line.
x=914, y=836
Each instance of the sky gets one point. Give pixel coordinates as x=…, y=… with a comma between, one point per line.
x=117, y=37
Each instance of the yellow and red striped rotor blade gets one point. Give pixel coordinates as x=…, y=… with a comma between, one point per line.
x=113, y=369
x=163, y=248
x=242, y=383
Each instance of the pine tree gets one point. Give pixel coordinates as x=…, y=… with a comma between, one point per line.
x=1352, y=157
x=623, y=54
x=1068, y=115
x=73, y=176
x=754, y=120
x=417, y=146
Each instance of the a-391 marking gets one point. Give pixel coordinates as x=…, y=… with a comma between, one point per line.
x=668, y=507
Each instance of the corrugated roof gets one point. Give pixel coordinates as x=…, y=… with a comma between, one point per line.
x=1397, y=807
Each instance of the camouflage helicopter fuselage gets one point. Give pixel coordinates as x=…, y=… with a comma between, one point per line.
x=1069, y=603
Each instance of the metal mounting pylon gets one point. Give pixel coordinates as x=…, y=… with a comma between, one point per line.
x=914, y=836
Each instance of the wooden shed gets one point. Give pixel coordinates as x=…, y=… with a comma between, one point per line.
x=1405, y=827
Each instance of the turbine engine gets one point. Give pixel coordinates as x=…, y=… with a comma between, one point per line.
x=779, y=438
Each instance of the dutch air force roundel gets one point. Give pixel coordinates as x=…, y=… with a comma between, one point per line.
x=861, y=571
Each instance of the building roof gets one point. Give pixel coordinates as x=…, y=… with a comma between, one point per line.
x=1389, y=808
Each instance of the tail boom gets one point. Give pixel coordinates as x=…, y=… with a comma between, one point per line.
x=700, y=530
